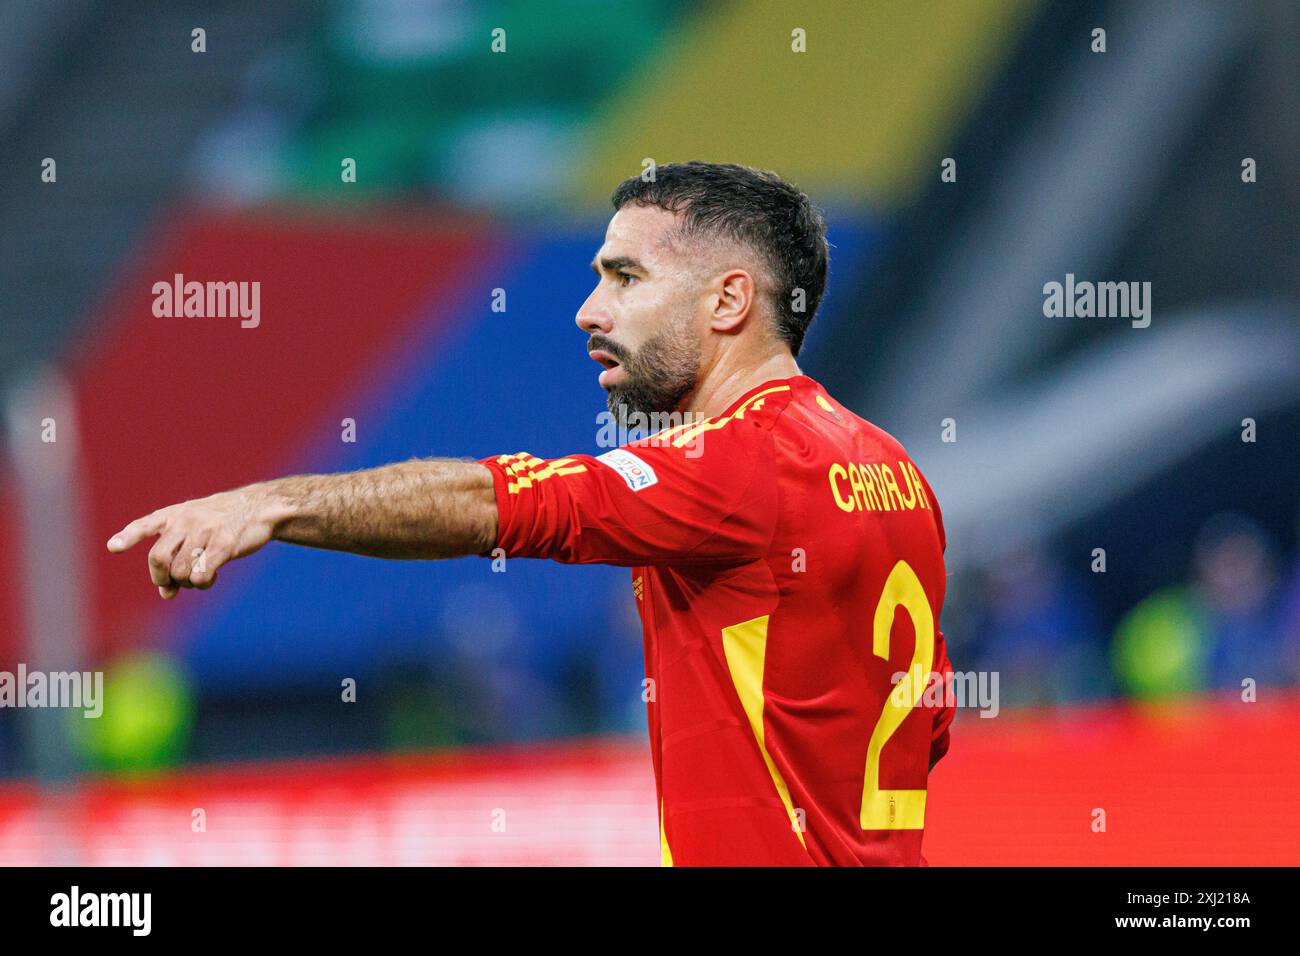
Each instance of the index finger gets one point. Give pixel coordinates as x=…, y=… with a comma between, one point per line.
x=136, y=531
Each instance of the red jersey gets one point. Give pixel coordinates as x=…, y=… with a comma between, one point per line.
x=787, y=564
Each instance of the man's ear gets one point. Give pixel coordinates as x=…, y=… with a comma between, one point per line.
x=735, y=301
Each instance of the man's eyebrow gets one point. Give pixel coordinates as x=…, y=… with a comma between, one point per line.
x=616, y=264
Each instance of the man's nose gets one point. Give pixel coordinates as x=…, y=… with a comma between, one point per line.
x=592, y=318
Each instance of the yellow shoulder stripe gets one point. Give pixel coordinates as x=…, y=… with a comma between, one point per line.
x=753, y=403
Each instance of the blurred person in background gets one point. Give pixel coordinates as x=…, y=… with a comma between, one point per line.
x=1235, y=575
x=1215, y=632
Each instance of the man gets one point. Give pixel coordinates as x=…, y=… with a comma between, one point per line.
x=786, y=555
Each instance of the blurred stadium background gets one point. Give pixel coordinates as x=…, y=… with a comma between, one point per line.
x=498, y=716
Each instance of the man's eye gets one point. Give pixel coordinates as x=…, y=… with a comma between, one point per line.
x=626, y=278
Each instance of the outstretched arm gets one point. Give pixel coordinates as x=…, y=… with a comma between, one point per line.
x=425, y=508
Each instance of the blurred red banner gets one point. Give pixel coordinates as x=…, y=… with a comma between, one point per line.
x=1208, y=782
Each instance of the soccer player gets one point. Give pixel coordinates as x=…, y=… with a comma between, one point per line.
x=786, y=555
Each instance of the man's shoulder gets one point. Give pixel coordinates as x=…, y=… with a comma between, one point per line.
x=745, y=426
x=816, y=414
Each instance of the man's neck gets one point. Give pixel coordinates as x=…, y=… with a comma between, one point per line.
x=722, y=385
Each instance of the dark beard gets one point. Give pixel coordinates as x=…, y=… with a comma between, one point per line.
x=657, y=378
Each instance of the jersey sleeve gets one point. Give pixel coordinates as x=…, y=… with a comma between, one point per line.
x=671, y=498
x=940, y=734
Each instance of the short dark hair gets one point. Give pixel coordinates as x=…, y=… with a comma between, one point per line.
x=753, y=206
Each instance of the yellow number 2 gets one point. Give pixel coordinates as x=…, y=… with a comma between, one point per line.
x=897, y=809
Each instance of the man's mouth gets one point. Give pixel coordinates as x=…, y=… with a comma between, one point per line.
x=613, y=369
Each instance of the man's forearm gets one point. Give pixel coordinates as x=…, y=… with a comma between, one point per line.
x=424, y=508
